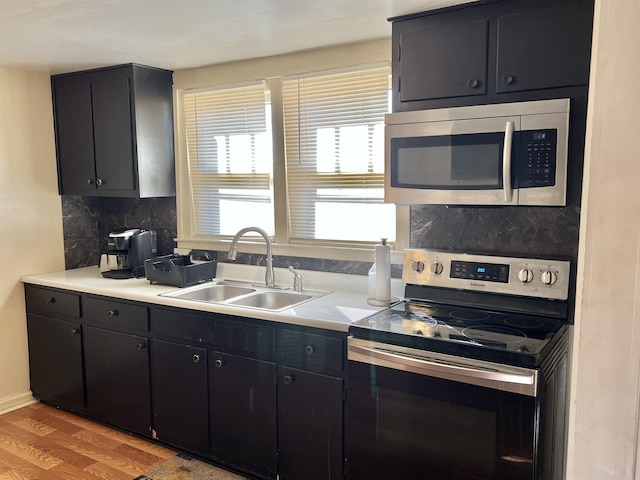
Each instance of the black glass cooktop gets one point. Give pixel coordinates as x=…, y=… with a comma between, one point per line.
x=502, y=337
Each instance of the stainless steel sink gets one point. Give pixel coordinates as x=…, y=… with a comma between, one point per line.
x=229, y=292
x=271, y=300
x=211, y=293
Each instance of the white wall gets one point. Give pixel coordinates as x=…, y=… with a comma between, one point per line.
x=605, y=388
x=30, y=214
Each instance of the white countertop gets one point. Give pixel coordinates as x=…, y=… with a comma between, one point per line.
x=346, y=303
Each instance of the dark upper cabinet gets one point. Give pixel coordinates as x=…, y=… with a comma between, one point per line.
x=546, y=48
x=114, y=132
x=491, y=52
x=427, y=70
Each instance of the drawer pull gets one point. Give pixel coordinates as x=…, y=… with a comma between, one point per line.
x=50, y=300
x=196, y=358
x=308, y=349
x=218, y=363
x=288, y=379
x=113, y=313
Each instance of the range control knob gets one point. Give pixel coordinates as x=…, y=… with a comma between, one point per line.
x=525, y=275
x=417, y=266
x=548, y=277
x=436, y=268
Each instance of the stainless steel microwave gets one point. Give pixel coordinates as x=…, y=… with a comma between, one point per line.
x=501, y=154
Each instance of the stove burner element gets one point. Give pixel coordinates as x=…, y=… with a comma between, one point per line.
x=468, y=315
x=494, y=335
x=524, y=322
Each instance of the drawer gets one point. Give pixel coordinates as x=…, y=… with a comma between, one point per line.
x=310, y=351
x=113, y=313
x=196, y=327
x=238, y=336
x=258, y=338
x=52, y=303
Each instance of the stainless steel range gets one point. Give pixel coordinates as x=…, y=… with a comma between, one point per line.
x=465, y=378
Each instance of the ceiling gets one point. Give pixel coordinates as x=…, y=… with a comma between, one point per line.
x=60, y=36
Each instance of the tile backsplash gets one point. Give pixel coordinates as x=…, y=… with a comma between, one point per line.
x=88, y=220
x=527, y=231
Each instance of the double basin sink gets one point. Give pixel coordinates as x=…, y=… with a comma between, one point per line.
x=244, y=295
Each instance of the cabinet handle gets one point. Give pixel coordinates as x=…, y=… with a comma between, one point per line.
x=508, y=79
x=141, y=345
x=473, y=82
x=50, y=300
x=113, y=313
x=99, y=181
x=218, y=363
x=90, y=181
x=288, y=379
x=308, y=349
x=196, y=358
x=75, y=331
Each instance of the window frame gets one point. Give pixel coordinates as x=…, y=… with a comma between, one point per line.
x=217, y=76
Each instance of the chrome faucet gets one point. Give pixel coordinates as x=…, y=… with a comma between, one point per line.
x=269, y=279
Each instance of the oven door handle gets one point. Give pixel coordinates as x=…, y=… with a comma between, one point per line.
x=506, y=161
x=484, y=374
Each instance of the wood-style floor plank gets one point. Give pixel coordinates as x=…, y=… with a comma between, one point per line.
x=40, y=442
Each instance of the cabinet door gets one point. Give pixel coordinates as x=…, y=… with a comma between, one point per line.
x=546, y=48
x=55, y=361
x=74, y=134
x=114, y=149
x=243, y=412
x=117, y=378
x=442, y=62
x=180, y=394
x=310, y=438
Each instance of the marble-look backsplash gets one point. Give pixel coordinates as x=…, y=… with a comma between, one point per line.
x=87, y=222
x=520, y=231
x=536, y=232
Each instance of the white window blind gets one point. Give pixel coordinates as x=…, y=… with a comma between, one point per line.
x=230, y=159
x=334, y=141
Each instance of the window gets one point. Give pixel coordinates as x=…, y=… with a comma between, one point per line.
x=329, y=175
x=230, y=159
x=334, y=134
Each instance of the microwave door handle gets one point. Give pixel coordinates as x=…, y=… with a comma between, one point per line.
x=506, y=161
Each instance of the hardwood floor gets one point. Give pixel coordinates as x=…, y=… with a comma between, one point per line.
x=40, y=442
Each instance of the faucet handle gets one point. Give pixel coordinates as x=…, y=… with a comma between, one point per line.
x=297, y=279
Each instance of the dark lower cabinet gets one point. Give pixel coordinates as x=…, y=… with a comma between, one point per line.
x=243, y=412
x=211, y=385
x=117, y=378
x=180, y=395
x=55, y=361
x=310, y=438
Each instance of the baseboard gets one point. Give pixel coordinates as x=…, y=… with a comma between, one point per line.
x=13, y=403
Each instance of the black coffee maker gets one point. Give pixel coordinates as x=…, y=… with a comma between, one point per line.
x=128, y=248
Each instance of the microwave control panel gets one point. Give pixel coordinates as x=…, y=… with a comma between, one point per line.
x=537, y=158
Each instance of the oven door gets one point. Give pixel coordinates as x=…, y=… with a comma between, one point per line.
x=418, y=415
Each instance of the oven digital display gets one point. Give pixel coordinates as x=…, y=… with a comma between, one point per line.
x=487, y=272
